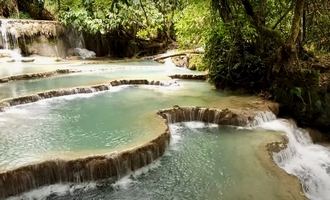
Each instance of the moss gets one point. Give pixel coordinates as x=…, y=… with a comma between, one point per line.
x=196, y=62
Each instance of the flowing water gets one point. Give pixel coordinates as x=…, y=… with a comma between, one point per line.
x=309, y=162
x=203, y=162
x=9, y=41
x=4, y=34
x=82, y=125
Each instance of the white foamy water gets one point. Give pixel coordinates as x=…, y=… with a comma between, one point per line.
x=58, y=189
x=9, y=38
x=309, y=162
x=263, y=117
x=45, y=192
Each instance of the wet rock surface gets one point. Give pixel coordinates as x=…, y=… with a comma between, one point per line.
x=189, y=76
x=215, y=116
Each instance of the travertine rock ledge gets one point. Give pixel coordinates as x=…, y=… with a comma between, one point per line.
x=189, y=76
x=37, y=75
x=70, y=91
x=112, y=166
x=216, y=116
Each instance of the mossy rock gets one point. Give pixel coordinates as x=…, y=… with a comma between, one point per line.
x=301, y=97
x=196, y=62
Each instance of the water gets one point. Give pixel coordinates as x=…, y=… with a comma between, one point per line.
x=4, y=34
x=309, y=162
x=78, y=126
x=9, y=41
x=72, y=126
x=100, y=73
x=203, y=162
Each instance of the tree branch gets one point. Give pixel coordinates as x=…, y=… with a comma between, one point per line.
x=144, y=12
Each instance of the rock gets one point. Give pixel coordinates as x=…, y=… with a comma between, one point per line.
x=181, y=61
x=58, y=59
x=84, y=53
x=11, y=60
x=161, y=61
x=192, y=67
x=189, y=76
x=25, y=60
x=4, y=53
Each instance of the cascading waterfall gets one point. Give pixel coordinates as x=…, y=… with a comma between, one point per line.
x=262, y=117
x=4, y=37
x=9, y=41
x=216, y=116
x=309, y=162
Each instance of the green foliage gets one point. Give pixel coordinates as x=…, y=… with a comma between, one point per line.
x=193, y=24
x=318, y=31
x=232, y=58
x=196, y=62
x=23, y=15
x=143, y=19
x=301, y=97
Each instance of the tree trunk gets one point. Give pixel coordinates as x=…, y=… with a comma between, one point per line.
x=296, y=23
x=224, y=10
x=287, y=56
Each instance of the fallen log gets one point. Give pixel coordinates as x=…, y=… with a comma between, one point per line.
x=175, y=54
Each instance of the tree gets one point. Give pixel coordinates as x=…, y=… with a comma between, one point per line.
x=261, y=47
x=255, y=41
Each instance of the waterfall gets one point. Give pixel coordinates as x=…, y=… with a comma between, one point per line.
x=110, y=167
x=217, y=116
x=76, y=38
x=262, y=117
x=309, y=162
x=9, y=41
x=4, y=36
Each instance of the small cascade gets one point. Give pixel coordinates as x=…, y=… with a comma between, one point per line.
x=111, y=167
x=215, y=116
x=262, y=117
x=309, y=162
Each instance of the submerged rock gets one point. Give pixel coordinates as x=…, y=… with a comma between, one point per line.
x=27, y=60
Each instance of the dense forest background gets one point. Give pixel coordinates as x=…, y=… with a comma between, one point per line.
x=276, y=48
